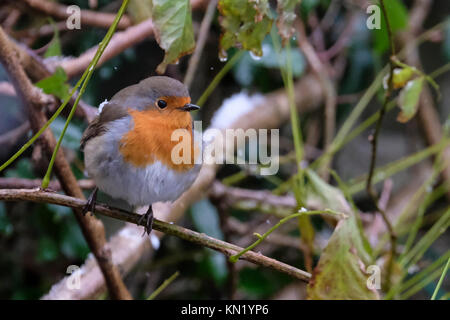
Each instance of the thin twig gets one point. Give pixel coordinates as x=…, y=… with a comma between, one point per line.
x=203, y=35
x=321, y=73
x=163, y=285
x=374, y=141
x=23, y=183
x=40, y=196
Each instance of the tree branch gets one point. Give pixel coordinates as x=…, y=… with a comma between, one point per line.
x=228, y=249
x=91, y=227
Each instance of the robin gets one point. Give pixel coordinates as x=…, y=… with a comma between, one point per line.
x=128, y=146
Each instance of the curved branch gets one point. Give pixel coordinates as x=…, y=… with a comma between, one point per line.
x=37, y=195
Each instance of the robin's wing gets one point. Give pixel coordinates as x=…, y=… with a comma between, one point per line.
x=98, y=126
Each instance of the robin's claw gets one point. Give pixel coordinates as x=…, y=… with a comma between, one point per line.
x=146, y=220
x=90, y=204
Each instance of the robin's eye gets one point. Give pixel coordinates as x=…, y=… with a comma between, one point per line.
x=162, y=104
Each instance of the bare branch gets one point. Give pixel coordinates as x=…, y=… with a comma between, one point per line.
x=321, y=72
x=228, y=249
x=92, y=228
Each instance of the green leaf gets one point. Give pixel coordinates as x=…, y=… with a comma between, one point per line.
x=341, y=271
x=172, y=21
x=55, y=84
x=408, y=100
x=54, y=48
x=286, y=17
x=244, y=24
x=398, y=19
x=319, y=191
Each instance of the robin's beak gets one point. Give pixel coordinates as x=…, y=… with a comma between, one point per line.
x=190, y=107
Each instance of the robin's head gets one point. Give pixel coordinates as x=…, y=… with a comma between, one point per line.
x=164, y=95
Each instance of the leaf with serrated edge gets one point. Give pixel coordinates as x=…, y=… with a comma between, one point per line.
x=172, y=21
x=244, y=24
x=341, y=270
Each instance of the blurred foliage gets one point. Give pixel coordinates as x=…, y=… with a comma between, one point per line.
x=398, y=18
x=172, y=21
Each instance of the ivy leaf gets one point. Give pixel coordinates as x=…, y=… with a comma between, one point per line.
x=244, y=24
x=172, y=21
x=286, y=17
x=408, y=100
x=55, y=84
x=341, y=271
x=54, y=47
x=398, y=19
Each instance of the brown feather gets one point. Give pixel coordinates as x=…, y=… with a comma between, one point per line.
x=98, y=126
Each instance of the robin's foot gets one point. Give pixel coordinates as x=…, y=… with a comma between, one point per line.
x=147, y=218
x=90, y=204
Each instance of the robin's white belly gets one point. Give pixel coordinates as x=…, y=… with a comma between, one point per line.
x=136, y=185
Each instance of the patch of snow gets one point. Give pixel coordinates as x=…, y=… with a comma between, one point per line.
x=234, y=108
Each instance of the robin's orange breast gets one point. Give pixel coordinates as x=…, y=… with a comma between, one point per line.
x=150, y=139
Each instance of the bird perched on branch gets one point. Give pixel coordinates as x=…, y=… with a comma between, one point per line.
x=129, y=148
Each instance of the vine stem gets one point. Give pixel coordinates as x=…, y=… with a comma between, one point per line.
x=441, y=279
x=163, y=285
x=41, y=196
x=374, y=141
x=261, y=238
